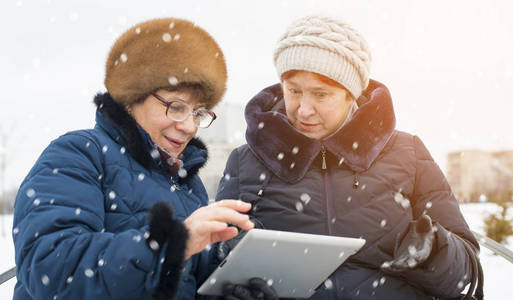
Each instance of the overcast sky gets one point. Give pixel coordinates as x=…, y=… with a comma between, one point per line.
x=448, y=64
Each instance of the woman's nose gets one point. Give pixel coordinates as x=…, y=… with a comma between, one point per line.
x=305, y=108
x=188, y=125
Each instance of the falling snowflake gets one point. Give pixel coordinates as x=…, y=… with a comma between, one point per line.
x=154, y=153
x=382, y=281
x=101, y=262
x=77, y=211
x=89, y=273
x=460, y=284
x=349, y=199
x=166, y=37
x=227, y=176
x=123, y=57
x=37, y=202
x=270, y=282
x=15, y=230
x=140, y=177
x=137, y=238
x=88, y=144
x=45, y=279
x=260, y=125
x=122, y=150
x=69, y=279
x=292, y=165
x=182, y=173
x=112, y=195
x=328, y=284
x=55, y=171
x=213, y=281
x=305, y=198
x=355, y=145
x=154, y=245
x=375, y=283
x=114, y=206
x=383, y=223
x=295, y=150
x=105, y=148
x=173, y=80
x=262, y=177
x=31, y=193
x=274, y=244
x=429, y=205
x=299, y=206
x=280, y=156
x=305, y=251
x=138, y=30
x=177, y=37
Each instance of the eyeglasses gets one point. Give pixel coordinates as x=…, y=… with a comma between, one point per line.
x=178, y=110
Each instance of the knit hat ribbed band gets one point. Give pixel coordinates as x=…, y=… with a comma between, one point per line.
x=328, y=47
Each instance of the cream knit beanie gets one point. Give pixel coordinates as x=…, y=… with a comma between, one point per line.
x=328, y=47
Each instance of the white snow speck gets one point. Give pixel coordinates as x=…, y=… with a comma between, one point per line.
x=112, y=195
x=122, y=150
x=349, y=199
x=328, y=284
x=292, y=165
x=172, y=80
x=274, y=244
x=213, y=281
x=182, y=173
x=383, y=223
x=333, y=220
x=73, y=17
x=270, y=282
x=299, y=206
x=69, y=279
x=341, y=161
x=260, y=125
x=217, y=54
x=280, y=156
x=123, y=57
x=15, y=230
x=166, y=37
x=55, y=171
x=101, y=262
x=88, y=144
x=154, y=245
x=460, y=284
x=227, y=176
x=36, y=234
x=52, y=201
x=375, y=283
x=105, y=148
x=429, y=205
x=382, y=280
x=262, y=177
x=114, y=206
x=305, y=251
x=89, y=273
x=45, y=279
x=355, y=145
x=295, y=150
x=305, y=198
x=162, y=260
x=137, y=238
x=146, y=235
x=172, y=25
x=177, y=37
x=185, y=70
x=37, y=202
x=341, y=254
x=138, y=30
x=77, y=211
x=154, y=153
x=140, y=177
x=31, y=193
x=100, y=177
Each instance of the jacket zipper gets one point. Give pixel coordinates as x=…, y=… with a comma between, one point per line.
x=328, y=206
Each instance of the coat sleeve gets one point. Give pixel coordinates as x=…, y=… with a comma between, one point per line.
x=229, y=185
x=61, y=246
x=448, y=269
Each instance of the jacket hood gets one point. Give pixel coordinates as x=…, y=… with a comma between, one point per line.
x=119, y=124
x=288, y=153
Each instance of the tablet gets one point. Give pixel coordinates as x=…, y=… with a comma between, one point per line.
x=294, y=264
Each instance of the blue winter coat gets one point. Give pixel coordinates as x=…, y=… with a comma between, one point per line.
x=375, y=180
x=81, y=215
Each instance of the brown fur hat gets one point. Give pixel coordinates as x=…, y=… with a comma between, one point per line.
x=163, y=53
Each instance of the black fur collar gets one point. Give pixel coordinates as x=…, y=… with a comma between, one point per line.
x=131, y=136
x=289, y=154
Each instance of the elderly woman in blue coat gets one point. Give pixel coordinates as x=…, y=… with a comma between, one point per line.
x=323, y=157
x=94, y=217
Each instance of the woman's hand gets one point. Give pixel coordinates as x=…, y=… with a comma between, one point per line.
x=209, y=224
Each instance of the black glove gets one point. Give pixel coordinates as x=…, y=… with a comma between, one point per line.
x=257, y=289
x=414, y=247
x=226, y=246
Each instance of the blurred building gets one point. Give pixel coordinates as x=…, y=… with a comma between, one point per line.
x=225, y=134
x=474, y=174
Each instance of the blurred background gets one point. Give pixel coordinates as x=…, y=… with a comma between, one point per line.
x=448, y=65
